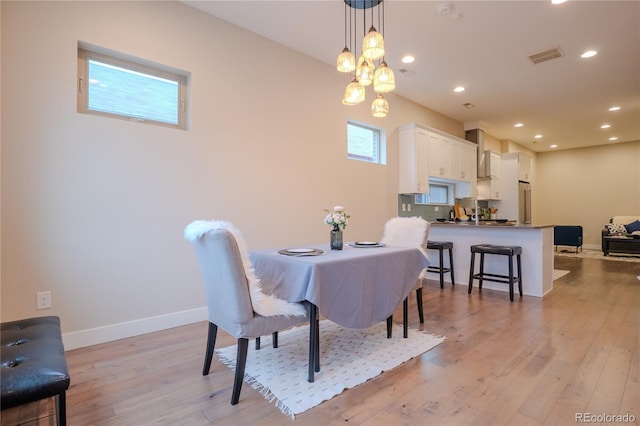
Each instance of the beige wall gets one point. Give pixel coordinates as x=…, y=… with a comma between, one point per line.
x=588, y=186
x=93, y=209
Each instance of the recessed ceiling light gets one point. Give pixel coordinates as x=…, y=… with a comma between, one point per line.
x=537, y=136
x=614, y=108
x=605, y=126
x=408, y=59
x=553, y=146
x=558, y=1
x=518, y=125
x=613, y=138
x=589, y=54
x=459, y=89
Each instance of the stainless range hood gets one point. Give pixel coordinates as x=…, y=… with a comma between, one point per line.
x=474, y=132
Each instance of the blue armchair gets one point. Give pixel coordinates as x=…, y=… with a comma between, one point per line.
x=568, y=235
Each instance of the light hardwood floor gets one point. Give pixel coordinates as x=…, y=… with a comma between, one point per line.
x=534, y=361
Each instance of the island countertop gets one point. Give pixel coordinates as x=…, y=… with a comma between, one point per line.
x=491, y=224
x=537, y=251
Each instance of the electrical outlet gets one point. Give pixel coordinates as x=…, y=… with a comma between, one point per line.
x=404, y=207
x=408, y=207
x=43, y=300
x=437, y=209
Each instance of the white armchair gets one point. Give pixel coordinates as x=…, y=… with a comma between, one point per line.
x=228, y=276
x=409, y=232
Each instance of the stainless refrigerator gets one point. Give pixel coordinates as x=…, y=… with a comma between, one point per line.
x=524, y=198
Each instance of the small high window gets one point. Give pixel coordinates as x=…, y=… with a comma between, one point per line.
x=365, y=143
x=439, y=193
x=133, y=89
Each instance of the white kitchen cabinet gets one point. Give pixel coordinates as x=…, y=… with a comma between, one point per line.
x=426, y=152
x=413, y=160
x=466, y=158
x=524, y=167
x=493, y=164
x=439, y=156
x=489, y=189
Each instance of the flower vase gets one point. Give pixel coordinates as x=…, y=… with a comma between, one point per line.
x=336, y=238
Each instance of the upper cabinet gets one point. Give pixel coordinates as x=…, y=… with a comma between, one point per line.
x=493, y=164
x=426, y=152
x=517, y=167
x=490, y=187
x=413, y=160
x=439, y=156
x=524, y=167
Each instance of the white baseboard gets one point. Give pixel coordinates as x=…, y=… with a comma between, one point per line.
x=95, y=336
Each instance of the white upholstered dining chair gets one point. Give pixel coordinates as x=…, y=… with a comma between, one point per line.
x=234, y=296
x=409, y=232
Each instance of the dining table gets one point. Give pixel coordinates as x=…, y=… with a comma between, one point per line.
x=356, y=287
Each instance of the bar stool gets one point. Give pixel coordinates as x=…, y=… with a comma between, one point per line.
x=499, y=250
x=440, y=246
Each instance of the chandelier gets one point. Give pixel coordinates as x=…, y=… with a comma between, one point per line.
x=363, y=72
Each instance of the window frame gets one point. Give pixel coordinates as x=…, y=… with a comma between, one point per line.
x=380, y=150
x=425, y=199
x=88, y=52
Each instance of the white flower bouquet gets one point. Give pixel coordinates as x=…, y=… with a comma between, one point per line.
x=337, y=218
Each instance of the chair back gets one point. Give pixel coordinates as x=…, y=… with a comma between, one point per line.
x=225, y=281
x=407, y=232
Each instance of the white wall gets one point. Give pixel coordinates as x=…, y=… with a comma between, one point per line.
x=93, y=209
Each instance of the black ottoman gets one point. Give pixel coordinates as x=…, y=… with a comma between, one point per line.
x=33, y=363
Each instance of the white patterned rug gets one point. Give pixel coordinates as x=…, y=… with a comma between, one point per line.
x=597, y=254
x=348, y=357
x=559, y=273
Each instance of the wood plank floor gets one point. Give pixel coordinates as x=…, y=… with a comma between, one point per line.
x=534, y=361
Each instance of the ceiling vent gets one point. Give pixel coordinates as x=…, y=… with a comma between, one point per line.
x=545, y=56
x=406, y=71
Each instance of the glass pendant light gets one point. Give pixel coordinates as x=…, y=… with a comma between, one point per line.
x=354, y=93
x=346, y=61
x=364, y=71
x=384, y=80
x=380, y=106
x=373, y=45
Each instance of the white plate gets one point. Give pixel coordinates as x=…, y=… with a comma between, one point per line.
x=300, y=250
x=366, y=244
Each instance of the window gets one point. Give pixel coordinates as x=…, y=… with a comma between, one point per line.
x=365, y=143
x=112, y=85
x=439, y=193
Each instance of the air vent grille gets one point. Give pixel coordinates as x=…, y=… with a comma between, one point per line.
x=406, y=71
x=545, y=56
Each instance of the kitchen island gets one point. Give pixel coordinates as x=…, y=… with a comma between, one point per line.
x=537, y=252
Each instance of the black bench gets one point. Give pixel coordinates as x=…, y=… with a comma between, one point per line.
x=33, y=363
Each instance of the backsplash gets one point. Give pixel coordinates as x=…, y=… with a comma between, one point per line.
x=428, y=212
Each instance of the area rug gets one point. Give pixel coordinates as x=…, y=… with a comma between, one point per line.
x=558, y=273
x=597, y=254
x=348, y=357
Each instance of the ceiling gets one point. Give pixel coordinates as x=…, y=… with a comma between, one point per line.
x=484, y=46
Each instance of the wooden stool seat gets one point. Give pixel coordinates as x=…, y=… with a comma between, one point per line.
x=510, y=279
x=440, y=246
